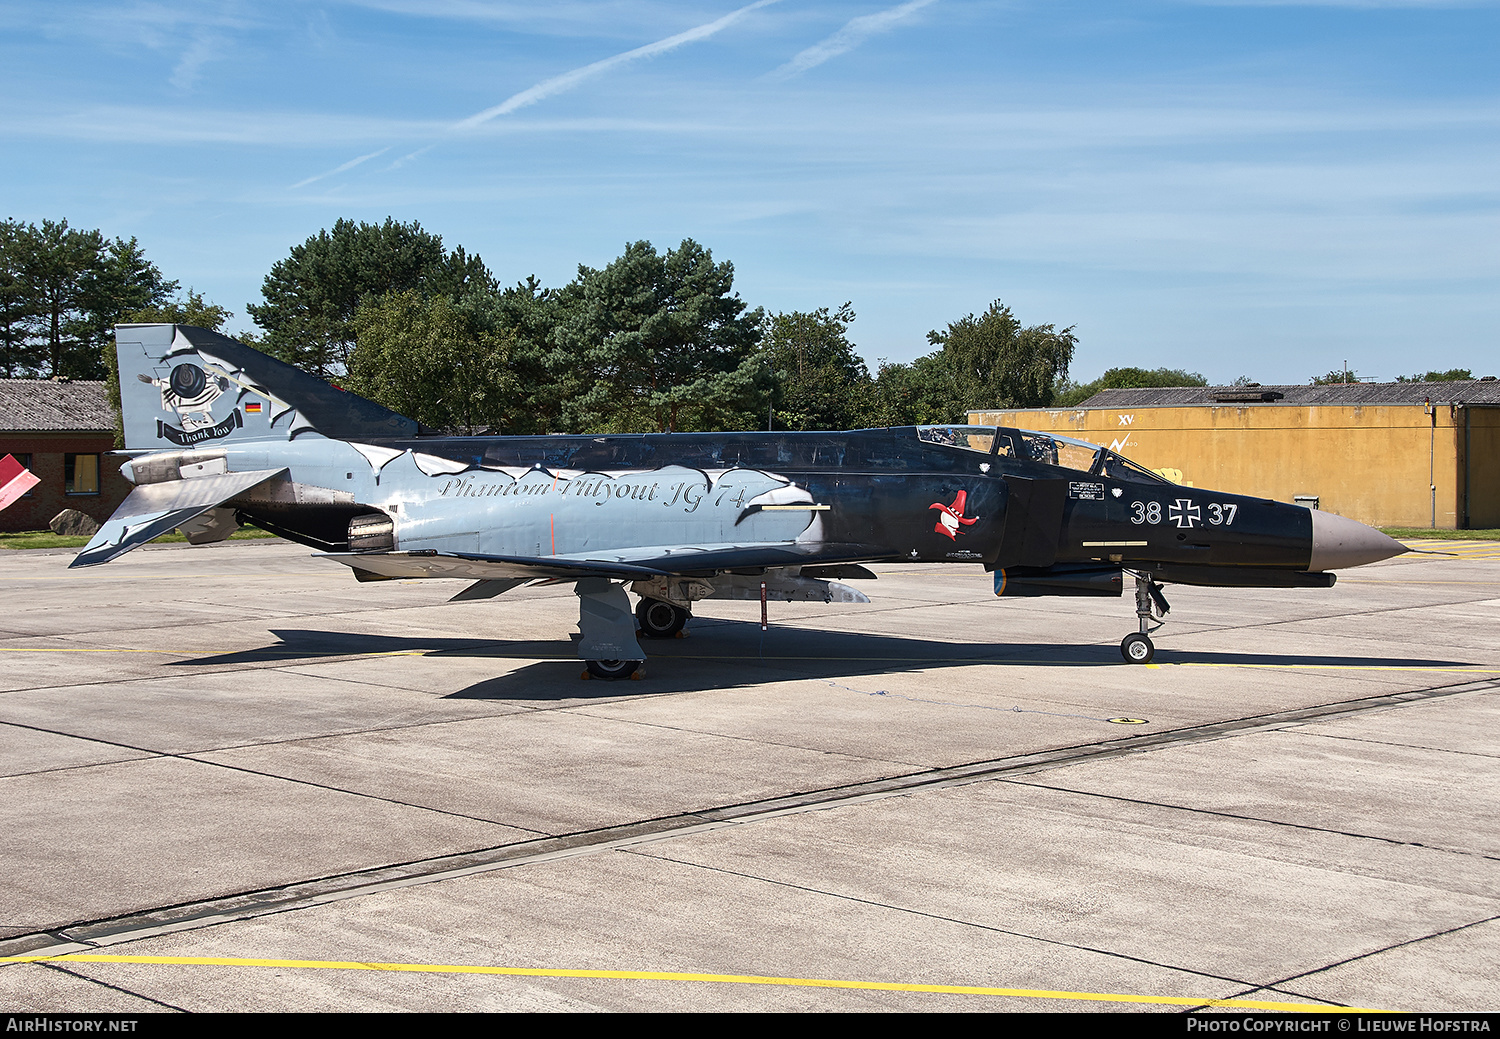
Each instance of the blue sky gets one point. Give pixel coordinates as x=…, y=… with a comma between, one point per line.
x=1250, y=188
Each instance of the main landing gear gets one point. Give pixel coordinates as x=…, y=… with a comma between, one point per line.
x=606, y=631
x=1151, y=607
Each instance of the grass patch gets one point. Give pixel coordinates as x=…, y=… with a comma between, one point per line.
x=1442, y=535
x=47, y=539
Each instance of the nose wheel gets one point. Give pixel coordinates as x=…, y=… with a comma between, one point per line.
x=1151, y=608
x=1138, y=648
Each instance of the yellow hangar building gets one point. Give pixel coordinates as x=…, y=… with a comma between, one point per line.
x=1406, y=454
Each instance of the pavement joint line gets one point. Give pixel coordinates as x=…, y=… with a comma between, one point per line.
x=1389, y=743
x=189, y=757
x=1276, y=985
x=1251, y=819
x=317, y=891
x=61, y=969
x=683, y=976
x=950, y=919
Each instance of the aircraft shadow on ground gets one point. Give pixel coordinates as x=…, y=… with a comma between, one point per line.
x=730, y=654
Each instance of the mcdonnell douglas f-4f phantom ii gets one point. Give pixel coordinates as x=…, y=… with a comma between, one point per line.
x=218, y=433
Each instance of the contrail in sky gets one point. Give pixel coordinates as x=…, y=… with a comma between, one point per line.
x=340, y=169
x=854, y=32
x=567, y=81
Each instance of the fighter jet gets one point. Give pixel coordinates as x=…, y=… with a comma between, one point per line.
x=219, y=434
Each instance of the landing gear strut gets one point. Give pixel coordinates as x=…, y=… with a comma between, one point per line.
x=660, y=619
x=1151, y=607
x=606, y=642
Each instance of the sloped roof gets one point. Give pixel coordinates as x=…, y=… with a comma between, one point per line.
x=1473, y=391
x=34, y=405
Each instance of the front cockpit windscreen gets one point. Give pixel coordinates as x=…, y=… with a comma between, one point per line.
x=971, y=438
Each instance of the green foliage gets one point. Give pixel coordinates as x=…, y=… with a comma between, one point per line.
x=1451, y=375
x=195, y=310
x=313, y=296
x=1070, y=394
x=985, y=362
x=921, y=393
x=61, y=292
x=819, y=382
x=998, y=364
x=443, y=363
x=1421, y=533
x=1334, y=378
x=657, y=342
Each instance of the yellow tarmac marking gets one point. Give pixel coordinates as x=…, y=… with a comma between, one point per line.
x=652, y=975
x=867, y=660
x=1341, y=667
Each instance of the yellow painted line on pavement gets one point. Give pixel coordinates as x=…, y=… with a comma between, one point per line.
x=653, y=975
x=1340, y=667
x=300, y=654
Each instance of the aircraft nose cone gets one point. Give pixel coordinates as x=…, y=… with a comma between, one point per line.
x=1338, y=542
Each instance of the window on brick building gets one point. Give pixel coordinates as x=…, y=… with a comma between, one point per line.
x=81, y=474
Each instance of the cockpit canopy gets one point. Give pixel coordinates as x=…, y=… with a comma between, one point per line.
x=1046, y=448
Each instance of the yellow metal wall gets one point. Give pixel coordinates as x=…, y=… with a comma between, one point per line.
x=1484, y=472
x=1373, y=463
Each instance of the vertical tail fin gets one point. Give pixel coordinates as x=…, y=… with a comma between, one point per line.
x=182, y=386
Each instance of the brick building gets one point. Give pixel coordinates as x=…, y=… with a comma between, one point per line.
x=61, y=431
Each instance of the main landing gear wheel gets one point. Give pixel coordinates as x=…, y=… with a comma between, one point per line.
x=1137, y=648
x=660, y=619
x=611, y=670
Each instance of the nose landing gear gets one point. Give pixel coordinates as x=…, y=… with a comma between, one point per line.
x=1151, y=607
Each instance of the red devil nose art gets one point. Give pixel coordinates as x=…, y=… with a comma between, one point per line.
x=950, y=516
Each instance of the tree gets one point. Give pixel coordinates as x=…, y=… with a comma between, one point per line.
x=998, y=364
x=17, y=305
x=441, y=362
x=195, y=310
x=661, y=344
x=1069, y=393
x=62, y=291
x=924, y=392
x=545, y=373
x=819, y=381
x=312, y=297
x=1451, y=375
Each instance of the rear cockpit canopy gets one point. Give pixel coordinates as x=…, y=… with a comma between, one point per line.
x=1046, y=448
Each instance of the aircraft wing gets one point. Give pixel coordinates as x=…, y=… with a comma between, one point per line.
x=153, y=509
x=620, y=564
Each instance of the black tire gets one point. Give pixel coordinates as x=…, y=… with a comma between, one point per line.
x=1137, y=648
x=660, y=619
x=611, y=670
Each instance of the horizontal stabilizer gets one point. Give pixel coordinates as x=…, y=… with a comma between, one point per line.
x=156, y=508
